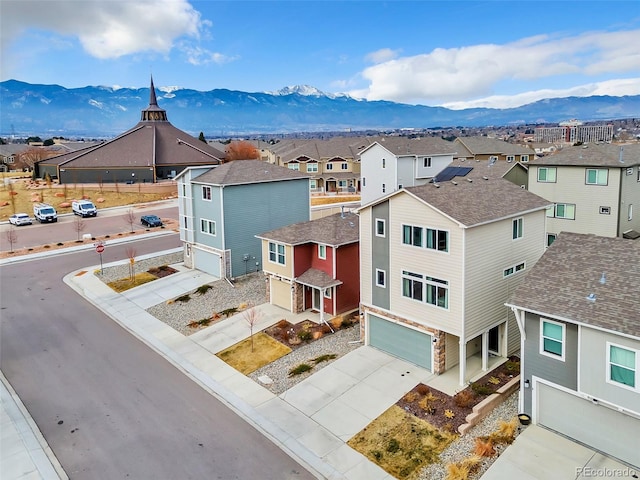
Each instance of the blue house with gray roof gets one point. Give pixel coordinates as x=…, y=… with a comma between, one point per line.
x=223, y=208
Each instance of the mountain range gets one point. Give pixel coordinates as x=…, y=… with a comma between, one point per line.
x=103, y=112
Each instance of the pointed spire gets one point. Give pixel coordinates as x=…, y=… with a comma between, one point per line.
x=152, y=94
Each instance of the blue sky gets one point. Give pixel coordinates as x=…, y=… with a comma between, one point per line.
x=457, y=54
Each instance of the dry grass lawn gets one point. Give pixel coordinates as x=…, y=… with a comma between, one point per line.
x=401, y=443
x=246, y=360
x=20, y=196
x=334, y=199
x=125, y=283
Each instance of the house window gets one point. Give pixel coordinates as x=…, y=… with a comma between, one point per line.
x=547, y=174
x=276, y=253
x=364, y=181
x=639, y=174
x=384, y=188
x=381, y=278
x=562, y=210
x=426, y=289
x=313, y=184
x=412, y=235
x=322, y=252
x=630, y=212
x=380, y=227
x=507, y=272
x=427, y=162
x=622, y=365
x=517, y=228
x=551, y=237
x=437, y=240
x=184, y=189
x=524, y=158
x=327, y=292
x=329, y=166
x=605, y=210
x=312, y=167
x=206, y=192
x=207, y=226
x=552, y=336
x=597, y=176
x=294, y=166
x=345, y=166
x=384, y=163
x=342, y=183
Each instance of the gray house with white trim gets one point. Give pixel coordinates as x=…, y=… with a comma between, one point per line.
x=578, y=311
x=222, y=209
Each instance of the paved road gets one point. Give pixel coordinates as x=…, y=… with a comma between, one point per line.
x=109, y=406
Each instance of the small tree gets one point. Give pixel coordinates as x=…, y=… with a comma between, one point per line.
x=241, y=151
x=78, y=225
x=131, y=255
x=201, y=137
x=251, y=315
x=12, y=196
x=11, y=236
x=130, y=218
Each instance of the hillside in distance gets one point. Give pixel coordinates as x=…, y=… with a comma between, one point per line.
x=102, y=112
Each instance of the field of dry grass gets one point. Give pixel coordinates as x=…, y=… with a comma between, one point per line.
x=18, y=194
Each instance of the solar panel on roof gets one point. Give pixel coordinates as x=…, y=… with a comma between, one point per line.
x=449, y=172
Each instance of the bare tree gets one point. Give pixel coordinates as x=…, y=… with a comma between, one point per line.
x=131, y=255
x=251, y=315
x=30, y=156
x=130, y=218
x=12, y=196
x=11, y=236
x=79, y=225
x=241, y=150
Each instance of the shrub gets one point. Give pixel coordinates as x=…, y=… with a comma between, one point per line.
x=484, y=447
x=324, y=328
x=336, y=322
x=317, y=334
x=449, y=414
x=393, y=446
x=422, y=389
x=46, y=246
x=480, y=389
x=464, y=399
x=282, y=324
x=411, y=397
x=512, y=366
x=59, y=244
x=303, y=367
x=347, y=322
x=461, y=470
x=377, y=455
x=305, y=335
x=494, y=381
x=506, y=431
x=324, y=358
x=199, y=323
x=202, y=289
x=183, y=298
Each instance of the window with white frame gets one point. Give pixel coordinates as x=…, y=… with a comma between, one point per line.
x=507, y=272
x=381, y=278
x=430, y=238
x=342, y=183
x=206, y=192
x=313, y=184
x=276, y=253
x=294, y=166
x=412, y=235
x=329, y=166
x=547, y=174
x=437, y=240
x=322, y=252
x=517, y=228
x=510, y=158
x=552, y=338
x=207, y=226
x=427, y=162
x=562, y=210
x=344, y=166
x=622, y=365
x=524, y=158
x=312, y=167
x=597, y=176
x=380, y=227
x=423, y=288
x=327, y=293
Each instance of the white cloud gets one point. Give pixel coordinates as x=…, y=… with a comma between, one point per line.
x=630, y=86
x=107, y=29
x=383, y=55
x=444, y=76
x=201, y=56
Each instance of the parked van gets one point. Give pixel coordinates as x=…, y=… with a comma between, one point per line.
x=84, y=208
x=45, y=213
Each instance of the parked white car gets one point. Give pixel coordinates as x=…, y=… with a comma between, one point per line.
x=20, y=219
x=84, y=208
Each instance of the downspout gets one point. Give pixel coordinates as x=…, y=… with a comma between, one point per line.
x=520, y=321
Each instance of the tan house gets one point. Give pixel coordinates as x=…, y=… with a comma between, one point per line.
x=437, y=264
x=594, y=189
x=492, y=149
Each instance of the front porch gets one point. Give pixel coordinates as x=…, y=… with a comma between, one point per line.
x=449, y=381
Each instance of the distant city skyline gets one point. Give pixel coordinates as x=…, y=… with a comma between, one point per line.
x=456, y=54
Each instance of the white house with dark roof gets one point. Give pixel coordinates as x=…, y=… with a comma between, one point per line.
x=578, y=311
x=391, y=163
x=594, y=189
x=437, y=264
x=222, y=209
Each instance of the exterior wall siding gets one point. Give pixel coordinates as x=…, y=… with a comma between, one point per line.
x=629, y=195
x=366, y=257
x=256, y=208
x=405, y=209
x=563, y=373
x=374, y=175
x=380, y=255
x=302, y=257
x=593, y=368
x=274, y=268
x=347, y=271
x=490, y=250
x=209, y=210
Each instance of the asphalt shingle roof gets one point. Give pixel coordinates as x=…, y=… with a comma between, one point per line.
x=488, y=146
x=241, y=172
x=480, y=201
x=571, y=269
x=334, y=230
x=594, y=155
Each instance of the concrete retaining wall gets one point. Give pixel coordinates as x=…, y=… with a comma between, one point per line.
x=483, y=408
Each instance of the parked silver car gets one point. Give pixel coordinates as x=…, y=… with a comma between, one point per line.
x=20, y=219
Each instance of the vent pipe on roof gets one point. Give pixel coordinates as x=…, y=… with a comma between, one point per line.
x=485, y=177
x=591, y=297
x=470, y=180
x=621, y=154
x=341, y=211
x=603, y=279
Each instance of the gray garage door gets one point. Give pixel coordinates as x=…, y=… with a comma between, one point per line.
x=402, y=342
x=597, y=426
x=208, y=262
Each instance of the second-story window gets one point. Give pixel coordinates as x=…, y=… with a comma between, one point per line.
x=329, y=166
x=206, y=192
x=597, y=176
x=427, y=162
x=546, y=174
x=208, y=226
x=294, y=166
x=345, y=166
x=384, y=163
x=312, y=167
x=517, y=228
x=380, y=227
x=276, y=253
x=322, y=252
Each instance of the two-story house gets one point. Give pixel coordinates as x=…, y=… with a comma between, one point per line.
x=437, y=264
x=492, y=149
x=314, y=265
x=223, y=207
x=391, y=163
x=593, y=189
x=578, y=310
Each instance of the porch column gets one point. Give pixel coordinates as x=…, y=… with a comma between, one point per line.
x=485, y=351
x=321, y=305
x=463, y=362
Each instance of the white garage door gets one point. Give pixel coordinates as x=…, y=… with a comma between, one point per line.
x=280, y=293
x=599, y=427
x=206, y=261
